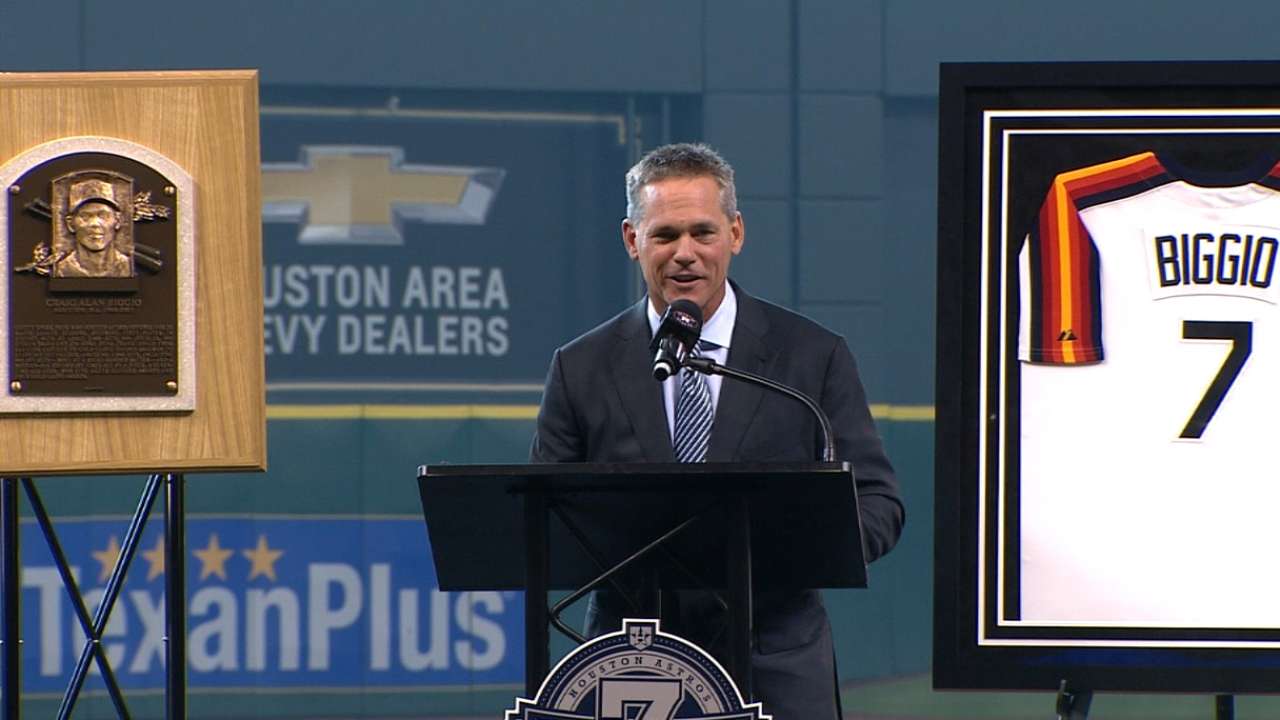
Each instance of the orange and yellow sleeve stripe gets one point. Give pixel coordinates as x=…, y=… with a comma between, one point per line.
x=1066, y=303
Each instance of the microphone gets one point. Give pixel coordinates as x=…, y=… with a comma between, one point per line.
x=677, y=334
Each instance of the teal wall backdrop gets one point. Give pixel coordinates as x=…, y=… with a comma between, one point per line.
x=311, y=586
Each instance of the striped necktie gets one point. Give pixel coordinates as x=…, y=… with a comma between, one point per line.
x=694, y=413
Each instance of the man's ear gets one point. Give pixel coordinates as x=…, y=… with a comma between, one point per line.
x=630, y=239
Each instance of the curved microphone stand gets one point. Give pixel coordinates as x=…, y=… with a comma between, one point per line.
x=711, y=367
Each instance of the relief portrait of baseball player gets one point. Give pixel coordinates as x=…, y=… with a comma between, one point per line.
x=94, y=218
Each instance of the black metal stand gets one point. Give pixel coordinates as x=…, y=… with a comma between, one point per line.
x=1073, y=704
x=95, y=626
x=93, y=629
x=175, y=599
x=10, y=594
x=645, y=606
x=537, y=653
x=738, y=575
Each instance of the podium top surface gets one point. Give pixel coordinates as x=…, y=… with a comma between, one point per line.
x=804, y=519
x=651, y=470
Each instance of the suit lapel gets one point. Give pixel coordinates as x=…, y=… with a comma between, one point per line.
x=632, y=372
x=738, y=401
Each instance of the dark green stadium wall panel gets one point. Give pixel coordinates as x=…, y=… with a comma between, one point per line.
x=40, y=36
x=753, y=130
x=842, y=251
x=748, y=45
x=354, y=466
x=921, y=33
x=910, y=231
x=840, y=141
x=839, y=45
x=907, y=573
x=503, y=45
x=765, y=268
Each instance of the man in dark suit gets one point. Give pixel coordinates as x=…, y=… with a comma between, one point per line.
x=601, y=404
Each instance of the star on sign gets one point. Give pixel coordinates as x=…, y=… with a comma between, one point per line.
x=213, y=558
x=155, y=559
x=108, y=558
x=263, y=559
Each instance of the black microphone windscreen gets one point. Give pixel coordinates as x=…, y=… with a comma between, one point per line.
x=677, y=334
x=685, y=320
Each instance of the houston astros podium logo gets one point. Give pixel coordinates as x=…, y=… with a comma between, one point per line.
x=637, y=673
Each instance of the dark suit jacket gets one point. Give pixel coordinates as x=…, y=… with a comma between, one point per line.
x=602, y=405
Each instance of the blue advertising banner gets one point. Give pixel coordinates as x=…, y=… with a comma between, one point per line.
x=405, y=246
x=272, y=602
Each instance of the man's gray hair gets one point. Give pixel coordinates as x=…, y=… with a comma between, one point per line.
x=681, y=160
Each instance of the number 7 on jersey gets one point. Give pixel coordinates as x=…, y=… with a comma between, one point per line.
x=1240, y=333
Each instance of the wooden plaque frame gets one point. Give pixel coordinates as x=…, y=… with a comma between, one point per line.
x=207, y=123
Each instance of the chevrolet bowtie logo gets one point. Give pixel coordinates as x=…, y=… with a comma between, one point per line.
x=361, y=195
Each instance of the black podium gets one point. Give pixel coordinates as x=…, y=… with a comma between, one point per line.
x=730, y=526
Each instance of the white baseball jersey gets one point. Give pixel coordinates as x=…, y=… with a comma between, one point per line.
x=1150, y=401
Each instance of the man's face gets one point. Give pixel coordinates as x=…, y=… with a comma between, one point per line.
x=683, y=241
x=95, y=225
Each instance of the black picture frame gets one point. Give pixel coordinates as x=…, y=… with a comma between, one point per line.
x=1006, y=130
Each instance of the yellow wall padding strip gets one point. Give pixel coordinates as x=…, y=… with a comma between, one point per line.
x=880, y=411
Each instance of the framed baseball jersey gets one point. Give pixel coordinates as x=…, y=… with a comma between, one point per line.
x=1109, y=319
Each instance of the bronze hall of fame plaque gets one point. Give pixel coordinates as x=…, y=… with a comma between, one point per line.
x=97, y=280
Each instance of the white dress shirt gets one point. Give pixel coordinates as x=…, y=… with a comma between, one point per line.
x=717, y=329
